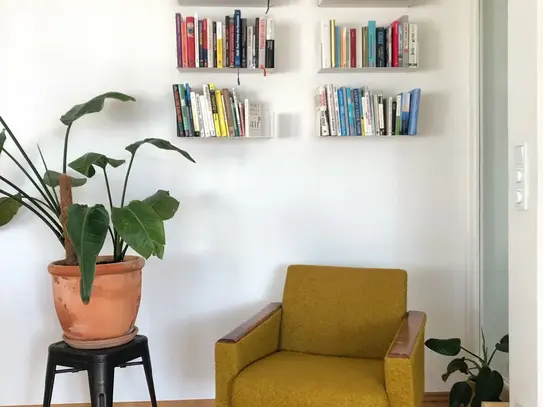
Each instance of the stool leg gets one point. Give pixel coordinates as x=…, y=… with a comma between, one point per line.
x=49, y=382
x=146, y=359
x=101, y=384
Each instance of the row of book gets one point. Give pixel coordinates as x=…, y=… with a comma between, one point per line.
x=394, y=46
x=348, y=111
x=215, y=113
x=233, y=43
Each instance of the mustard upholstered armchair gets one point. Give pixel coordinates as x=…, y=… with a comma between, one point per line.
x=341, y=338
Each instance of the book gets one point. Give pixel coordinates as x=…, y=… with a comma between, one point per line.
x=352, y=111
x=270, y=44
x=179, y=39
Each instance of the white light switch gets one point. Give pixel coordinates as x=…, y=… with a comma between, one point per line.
x=521, y=186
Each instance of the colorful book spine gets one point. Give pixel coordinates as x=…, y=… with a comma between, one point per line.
x=414, y=112
x=372, y=44
x=179, y=39
x=237, y=38
x=357, y=112
x=350, y=112
x=342, y=118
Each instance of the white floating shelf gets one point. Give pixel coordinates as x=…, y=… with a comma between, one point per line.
x=237, y=138
x=226, y=70
x=224, y=3
x=386, y=136
x=369, y=3
x=368, y=70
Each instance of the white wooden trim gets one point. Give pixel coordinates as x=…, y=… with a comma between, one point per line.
x=473, y=286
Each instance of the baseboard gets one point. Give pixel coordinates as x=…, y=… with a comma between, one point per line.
x=436, y=397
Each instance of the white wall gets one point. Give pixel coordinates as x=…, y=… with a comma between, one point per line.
x=525, y=228
x=248, y=208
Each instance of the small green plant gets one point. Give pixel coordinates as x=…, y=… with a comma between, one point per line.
x=80, y=229
x=481, y=383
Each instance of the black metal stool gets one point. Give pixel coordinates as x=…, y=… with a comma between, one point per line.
x=100, y=366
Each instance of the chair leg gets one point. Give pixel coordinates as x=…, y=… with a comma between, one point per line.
x=101, y=384
x=146, y=359
x=49, y=382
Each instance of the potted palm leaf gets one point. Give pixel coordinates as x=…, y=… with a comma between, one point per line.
x=96, y=296
x=481, y=383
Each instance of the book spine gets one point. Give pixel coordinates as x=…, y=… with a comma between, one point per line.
x=270, y=43
x=227, y=106
x=413, y=45
x=398, y=125
x=227, y=44
x=196, y=40
x=214, y=45
x=208, y=38
x=394, y=115
x=184, y=110
x=365, y=62
x=225, y=115
x=203, y=115
x=191, y=43
x=406, y=42
x=244, y=50
x=347, y=48
x=343, y=42
x=250, y=47
x=189, y=111
x=389, y=46
x=389, y=117
x=352, y=46
x=337, y=46
x=219, y=45
x=235, y=108
x=395, y=44
x=237, y=38
x=325, y=44
x=332, y=43
x=246, y=112
x=200, y=43
x=342, y=113
x=357, y=115
x=361, y=117
x=184, y=44
x=232, y=41
x=405, y=113
x=359, y=47
x=414, y=112
x=179, y=39
x=256, y=44
x=262, y=43
x=375, y=114
x=214, y=110
x=350, y=112
x=381, y=111
x=368, y=124
x=220, y=114
x=372, y=44
x=331, y=110
x=179, y=114
x=380, y=47
x=193, y=109
x=335, y=110
x=209, y=112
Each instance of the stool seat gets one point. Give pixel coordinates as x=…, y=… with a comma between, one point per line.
x=100, y=365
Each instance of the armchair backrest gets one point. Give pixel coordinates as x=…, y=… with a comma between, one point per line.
x=342, y=311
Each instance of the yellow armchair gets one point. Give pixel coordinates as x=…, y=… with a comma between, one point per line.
x=341, y=337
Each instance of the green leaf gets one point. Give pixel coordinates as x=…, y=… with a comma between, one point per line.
x=51, y=178
x=446, y=347
x=159, y=143
x=141, y=228
x=87, y=229
x=456, y=365
x=163, y=204
x=94, y=105
x=85, y=164
x=460, y=394
x=2, y=139
x=503, y=345
x=489, y=386
x=9, y=208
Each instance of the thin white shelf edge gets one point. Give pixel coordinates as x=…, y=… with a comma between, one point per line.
x=223, y=3
x=369, y=3
x=385, y=136
x=368, y=70
x=226, y=70
x=244, y=138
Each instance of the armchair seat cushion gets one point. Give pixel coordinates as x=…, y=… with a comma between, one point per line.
x=292, y=379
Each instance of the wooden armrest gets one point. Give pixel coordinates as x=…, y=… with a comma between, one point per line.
x=241, y=331
x=405, y=339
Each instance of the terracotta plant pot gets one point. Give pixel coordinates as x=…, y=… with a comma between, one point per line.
x=113, y=306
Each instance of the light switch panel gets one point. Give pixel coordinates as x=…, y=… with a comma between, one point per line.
x=520, y=184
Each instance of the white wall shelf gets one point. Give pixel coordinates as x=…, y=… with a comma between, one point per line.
x=372, y=137
x=368, y=70
x=226, y=70
x=368, y=3
x=224, y=3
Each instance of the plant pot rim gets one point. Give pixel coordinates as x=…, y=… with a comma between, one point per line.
x=130, y=264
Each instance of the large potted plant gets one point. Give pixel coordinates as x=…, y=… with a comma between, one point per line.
x=96, y=297
x=481, y=383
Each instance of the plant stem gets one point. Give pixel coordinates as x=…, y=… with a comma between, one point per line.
x=123, y=252
x=474, y=362
x=65, y=155
x=47, y=170
x=39, y=215
x=35, y=202
x=51, y=204
x=492, y=356
x=113, y=234
x=473, y=354
x=108, y=189
x=118, y=243
x=23, y=153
